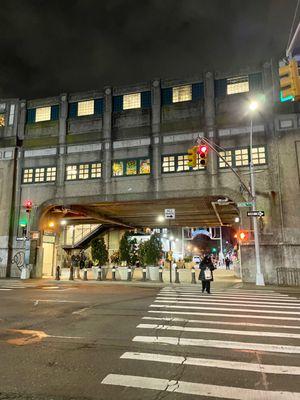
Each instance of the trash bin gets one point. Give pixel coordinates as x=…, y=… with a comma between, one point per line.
x=25, y=272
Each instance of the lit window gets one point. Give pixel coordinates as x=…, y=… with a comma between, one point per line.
x=2, y=120
x=227, y=155
x=182, y=93
x=259, y=155
x=85, y=108
x=43, y=114
x=96, y=170
x=240, y=84
x=131, y=101
x=118, y=168
x=241, y=157
x=71, y=172
x=198, y=164
x=131, y=167
x=84, y=171
x=28, y=175
x=168, y=164
x=51, y=174
x=182, y=163
x=39, y=175
x=145, y=167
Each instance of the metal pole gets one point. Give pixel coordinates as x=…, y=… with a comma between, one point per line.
x=170, y=249
x=259, y=276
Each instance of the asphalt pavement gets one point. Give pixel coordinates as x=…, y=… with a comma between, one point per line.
x=88, y=341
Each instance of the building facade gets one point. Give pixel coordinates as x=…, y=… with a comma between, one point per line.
x=89, y=152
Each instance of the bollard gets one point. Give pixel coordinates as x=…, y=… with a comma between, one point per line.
x=71, y=277
x=99, y=278
x=57, y=274
x=193, y=275
x=78, y=273
x=176, y=275
x=113, y=271
x=160, y=274
x=103, y=275
x=129, y=274
x=85, y=274
x=144, y=274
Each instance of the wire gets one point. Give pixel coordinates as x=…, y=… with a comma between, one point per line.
x=293, y=23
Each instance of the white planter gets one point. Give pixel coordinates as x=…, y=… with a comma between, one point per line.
x=152, y=273
x=122, y=273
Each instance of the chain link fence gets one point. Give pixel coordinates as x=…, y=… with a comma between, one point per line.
x=288, y=276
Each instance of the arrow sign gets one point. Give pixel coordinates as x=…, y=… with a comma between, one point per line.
x=169, y=213
x=255, y=213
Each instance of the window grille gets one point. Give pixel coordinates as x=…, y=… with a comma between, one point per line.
x=43, y=114
x=51, y=174
x=238, y=84
x=85, y=108
x=241, y=157
x=182, y=93
x=227, y=155
x=182, y=163
x=168, y=164
x=28, y=175
x=131, y=101
x=96, y=170
x=39, y=175
x=83, y=171
x=71, y=172
x=259, y=155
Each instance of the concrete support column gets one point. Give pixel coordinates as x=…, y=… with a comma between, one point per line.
x=62, y=148
x=107, y=144
x=155, y=147
x=210, y=131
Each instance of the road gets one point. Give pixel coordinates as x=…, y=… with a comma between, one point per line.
x=87, y=342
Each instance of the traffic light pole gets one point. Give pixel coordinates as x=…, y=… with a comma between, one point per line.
x=259, y=276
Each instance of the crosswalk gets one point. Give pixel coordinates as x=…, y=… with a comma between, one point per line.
x=8, y=286
x=235, y=344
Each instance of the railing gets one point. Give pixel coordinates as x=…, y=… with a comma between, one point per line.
x=288, y=276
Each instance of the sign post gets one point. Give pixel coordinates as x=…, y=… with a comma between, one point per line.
x=170, y=214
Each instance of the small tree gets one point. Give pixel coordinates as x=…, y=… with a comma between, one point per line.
x=99, y=251
x=128, y=249
x=151, y=250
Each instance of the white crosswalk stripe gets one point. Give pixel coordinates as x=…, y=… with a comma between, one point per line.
x=243, y=321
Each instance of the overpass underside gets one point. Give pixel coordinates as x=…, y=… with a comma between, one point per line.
x=209, y=211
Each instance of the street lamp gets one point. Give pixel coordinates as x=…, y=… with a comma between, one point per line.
x=160, y=218
x=259, y=276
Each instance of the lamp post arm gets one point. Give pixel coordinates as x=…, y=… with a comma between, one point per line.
x=211, y=145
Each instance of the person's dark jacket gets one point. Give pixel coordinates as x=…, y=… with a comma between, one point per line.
x=206, y=263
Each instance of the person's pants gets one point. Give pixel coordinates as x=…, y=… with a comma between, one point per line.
x=227, y=267
x=206, y=286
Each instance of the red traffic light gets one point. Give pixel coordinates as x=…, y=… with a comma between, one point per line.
x=202, y=150
x=28, y=204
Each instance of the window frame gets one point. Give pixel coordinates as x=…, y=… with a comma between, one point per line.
x=237, y=83
x=138, y=94
x=34, y=173
x=77, y=165
x=190, y=86
x=124, y=163
x=85, y=101
x=233, y=149
x=198, y=167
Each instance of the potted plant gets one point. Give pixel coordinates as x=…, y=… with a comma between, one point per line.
x=99, y=255
x=128, y=254
x=150, y=253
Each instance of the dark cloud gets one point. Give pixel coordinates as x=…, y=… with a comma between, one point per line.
x=50, y=47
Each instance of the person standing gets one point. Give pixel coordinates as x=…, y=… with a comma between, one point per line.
x=227, y=262
x=206, y=273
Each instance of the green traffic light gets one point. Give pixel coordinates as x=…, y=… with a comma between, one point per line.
x=23, y=222
x=214, y=250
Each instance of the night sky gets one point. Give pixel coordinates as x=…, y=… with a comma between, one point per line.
x=50, y=47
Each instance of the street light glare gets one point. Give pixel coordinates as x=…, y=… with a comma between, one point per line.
x=253, y=105
x=237, y=219
x=160, y=218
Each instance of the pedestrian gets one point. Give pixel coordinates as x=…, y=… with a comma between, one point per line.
x=206, y=273
x=82, y=260
x=227, y=262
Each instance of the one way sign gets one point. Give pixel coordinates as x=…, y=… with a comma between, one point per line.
x=255, y=213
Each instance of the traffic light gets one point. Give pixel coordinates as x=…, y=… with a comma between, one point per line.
x=28, y=205
x=202, y=151
x=243, y=236
x=192, y=156
x=289, y=81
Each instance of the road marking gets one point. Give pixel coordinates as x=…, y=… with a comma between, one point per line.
x=246, y=292
x=223, y=314
x=223, y=331
x=197, y=389
x=32, y=336
x=222, y=344
x=4, y=289
x=58, y=301
x=225, y=303
x=81, y=310
x=214, y=363
x=230, y=298
x=233, y=309
x=202, y=321
x=237, y=296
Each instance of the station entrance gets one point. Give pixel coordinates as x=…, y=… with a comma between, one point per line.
x=201, y=225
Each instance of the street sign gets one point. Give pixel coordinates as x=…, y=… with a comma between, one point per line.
x=20, y=239
x=169, y=213
x=255, y=213
x=245, y=204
